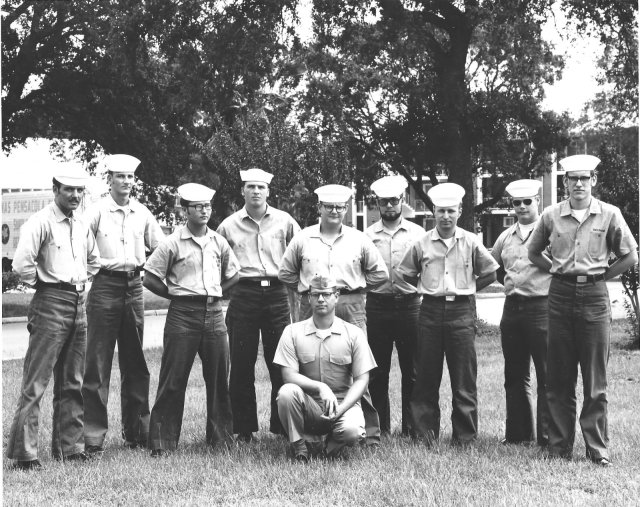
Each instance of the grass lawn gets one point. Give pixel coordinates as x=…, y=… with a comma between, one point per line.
x=400, y=473
x=16, y=304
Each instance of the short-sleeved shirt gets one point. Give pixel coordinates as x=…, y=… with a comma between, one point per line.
x=123, y=233
x=443, y=270
x=335, y=360
x=582, y=248
x=352, y=259
x=259, y=245
x=392, y=246
x=522, y=277
x=55, y=248
x=193, y=266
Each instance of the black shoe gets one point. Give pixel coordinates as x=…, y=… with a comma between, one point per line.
x=244, y=438
x=94, y=451
x=27, y=466
x=602, y=462
x=78, y=456
x=301, y=458
x=159, y=453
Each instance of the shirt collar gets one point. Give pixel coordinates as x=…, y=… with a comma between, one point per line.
x=379, y=225
x=59, y=214
x=114, y=206
x=187, y=234
x=435, y=235
x=245, y=214
x=310, y=328
x=594, y=207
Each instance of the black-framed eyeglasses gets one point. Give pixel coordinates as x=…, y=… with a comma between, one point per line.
x=518, y=202
x=325, y=295
x=338, y=207
x=200, y=207
x=394, y=201
x=582, y=179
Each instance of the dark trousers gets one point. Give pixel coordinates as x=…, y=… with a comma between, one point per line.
x=57, y=325
x=524, y=328
x=392, y=321
x=351, y=309
x=192, y=328
x=255, y=312
x=579, y=333
x=446, y=329
x=115, y=313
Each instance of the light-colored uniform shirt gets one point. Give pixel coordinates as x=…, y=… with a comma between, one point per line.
x=123, y=233
x=582, y=248
x=352, y=259
x=259, y=245
x=193, y=266
x=448, y=271
x=392, y=246
x=335, y=359
x=522, y=277
x=54, y=248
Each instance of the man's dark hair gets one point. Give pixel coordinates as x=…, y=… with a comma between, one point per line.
x=56, y=183
x=184, y=203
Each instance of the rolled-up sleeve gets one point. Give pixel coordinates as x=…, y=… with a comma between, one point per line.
x=229, y=262
x=160, y=260
x=286, y=352
x=620, y=238
x=483, y=262
x=289, y=271
x=411, y=264
x=373, y=265
x=539, y=237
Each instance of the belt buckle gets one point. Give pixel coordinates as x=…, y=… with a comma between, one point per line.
x=131, y=275
x=265, y=283
x=211, y=299
x=581, y=279
x=449, y=298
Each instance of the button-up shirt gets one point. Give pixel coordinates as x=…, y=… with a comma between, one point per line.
x=335, y=360
x=352, y=259
x=582, y=248
x=123, y=233
x=443, y=270
x=522, y=277
x=193, y=266
x=55, y=248
x=259, y=245
x=392, y=245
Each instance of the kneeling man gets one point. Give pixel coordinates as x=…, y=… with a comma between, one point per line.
x=325, y=368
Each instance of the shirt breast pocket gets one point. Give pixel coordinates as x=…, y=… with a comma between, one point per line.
x=597, y=247
x=306, y=357
x=463, y=275
x=106, y=244
x=138, y=240
x=430, y=277
x=562, y=243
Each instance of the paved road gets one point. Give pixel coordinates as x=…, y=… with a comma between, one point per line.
x=15, y=337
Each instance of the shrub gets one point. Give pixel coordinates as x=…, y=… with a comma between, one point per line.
x=10, y=280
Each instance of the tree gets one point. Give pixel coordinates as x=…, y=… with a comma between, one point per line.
x=429, y=85
x=144, y=78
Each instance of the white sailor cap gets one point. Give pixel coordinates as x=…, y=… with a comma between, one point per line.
x=523, y=188
x=320, y=282
x=255, y=174
x=446, y=194
x=194, y=192
x=71, y=174
x=579, y=163
x=333, y=193
x=389, y=186
x=121, y=163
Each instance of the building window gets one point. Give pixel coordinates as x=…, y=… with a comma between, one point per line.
x=508, y=221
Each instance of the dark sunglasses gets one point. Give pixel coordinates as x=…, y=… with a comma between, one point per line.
x=518, y=202
x=384, y=202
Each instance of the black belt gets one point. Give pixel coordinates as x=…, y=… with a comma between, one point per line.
x=121, y=274
x=581, y=278
x=344, y=291
x=69, y=287
x=261, y=282
x=392, y=297
x=448, y=299
x=198, y=299
x=520, y=297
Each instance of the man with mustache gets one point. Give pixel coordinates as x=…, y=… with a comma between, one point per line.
x=581, y=232
x=392, y=308
x=448, y=265
x=524, y=321
x=193, y=267
x=57, y=255
x=125, y=231
x=325, y=366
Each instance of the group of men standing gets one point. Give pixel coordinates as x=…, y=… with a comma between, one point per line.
x=329, y=372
